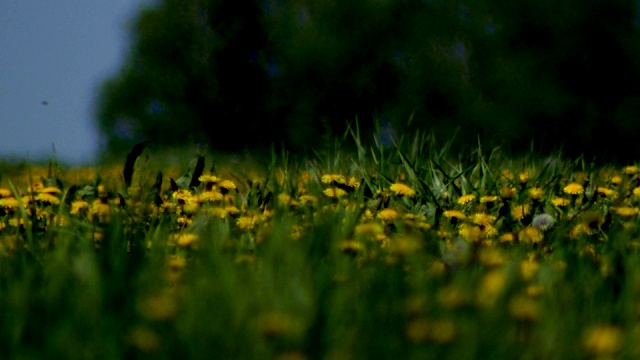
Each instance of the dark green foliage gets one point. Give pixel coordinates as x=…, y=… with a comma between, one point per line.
x=246, y=73
x=197, y=172
x=131, y=161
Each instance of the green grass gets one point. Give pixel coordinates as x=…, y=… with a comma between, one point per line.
x=273, y=273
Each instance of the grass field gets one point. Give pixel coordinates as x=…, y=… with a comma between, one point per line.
x=398, y=252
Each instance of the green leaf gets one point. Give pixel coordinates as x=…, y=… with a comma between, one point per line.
x=131, y=160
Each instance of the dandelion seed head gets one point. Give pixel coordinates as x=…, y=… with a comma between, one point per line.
x=543, y=221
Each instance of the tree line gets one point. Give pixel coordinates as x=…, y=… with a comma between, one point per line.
x=236, y=74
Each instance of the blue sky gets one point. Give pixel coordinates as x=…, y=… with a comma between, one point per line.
x=53, y=56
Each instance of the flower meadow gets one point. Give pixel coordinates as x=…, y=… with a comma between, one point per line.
x=400, y=251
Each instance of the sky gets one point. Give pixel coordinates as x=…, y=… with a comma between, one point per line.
x=53, y=57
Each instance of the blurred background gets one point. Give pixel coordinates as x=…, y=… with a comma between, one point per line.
x=53, y=57
x=239, y=75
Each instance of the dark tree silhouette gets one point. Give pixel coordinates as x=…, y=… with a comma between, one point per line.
x=249, y=73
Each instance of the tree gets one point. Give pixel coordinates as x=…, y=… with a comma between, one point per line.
x=291, y=71
x=195, y=72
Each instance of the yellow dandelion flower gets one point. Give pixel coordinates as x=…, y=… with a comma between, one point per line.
x=482, y=219
x=229, y=199
x=506, y=175
x=37, y=186
x=190, y=208
x=353, y=183
x=176, y=262
x=491, y=256
x=489, y=199
x=631, y=170
x=9, y=203
x=50, y=190
x=636, y=192
x=573, y=188
x=626, y=211
x=409, y=217
x=184, y=221
x=218, y=212
x=5, y=193
x=529, y=269
x=603, y=340
x=524, y=308
x=185, y=239
x=489, y=231
x=519, y=212
x=98, y=235
x=227, y=185
x=284, y=199
x=368, y=215
x=454, y=214
x=465, y=199
x=26, y=200
x=578, y=230
x=523, y=177
x=232, y=210
x=589, y=250
x=534, y=290
x=16, y=222
x=402, y=190
x=48, y=198
x=491, y=287
x=209, y=179
x=247, y=222
x=536, y=193
x=560, y=202
x=78, y=206
x=404, y=245
x=422, y=225
x=616, y=180
x=334, y=193
x=370, y=229
x=507, y=238
x=330, y=178
x=604, y=191
x=470, y=233
x=351, y=247
x=530, y=235
x=183, y=196
x=508, y=192
x=101, y=211
x=210, y=196
x=296, y=232
x=387, y=215
x=307, y=199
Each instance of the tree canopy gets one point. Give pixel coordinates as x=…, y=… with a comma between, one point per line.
x=245, y=73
